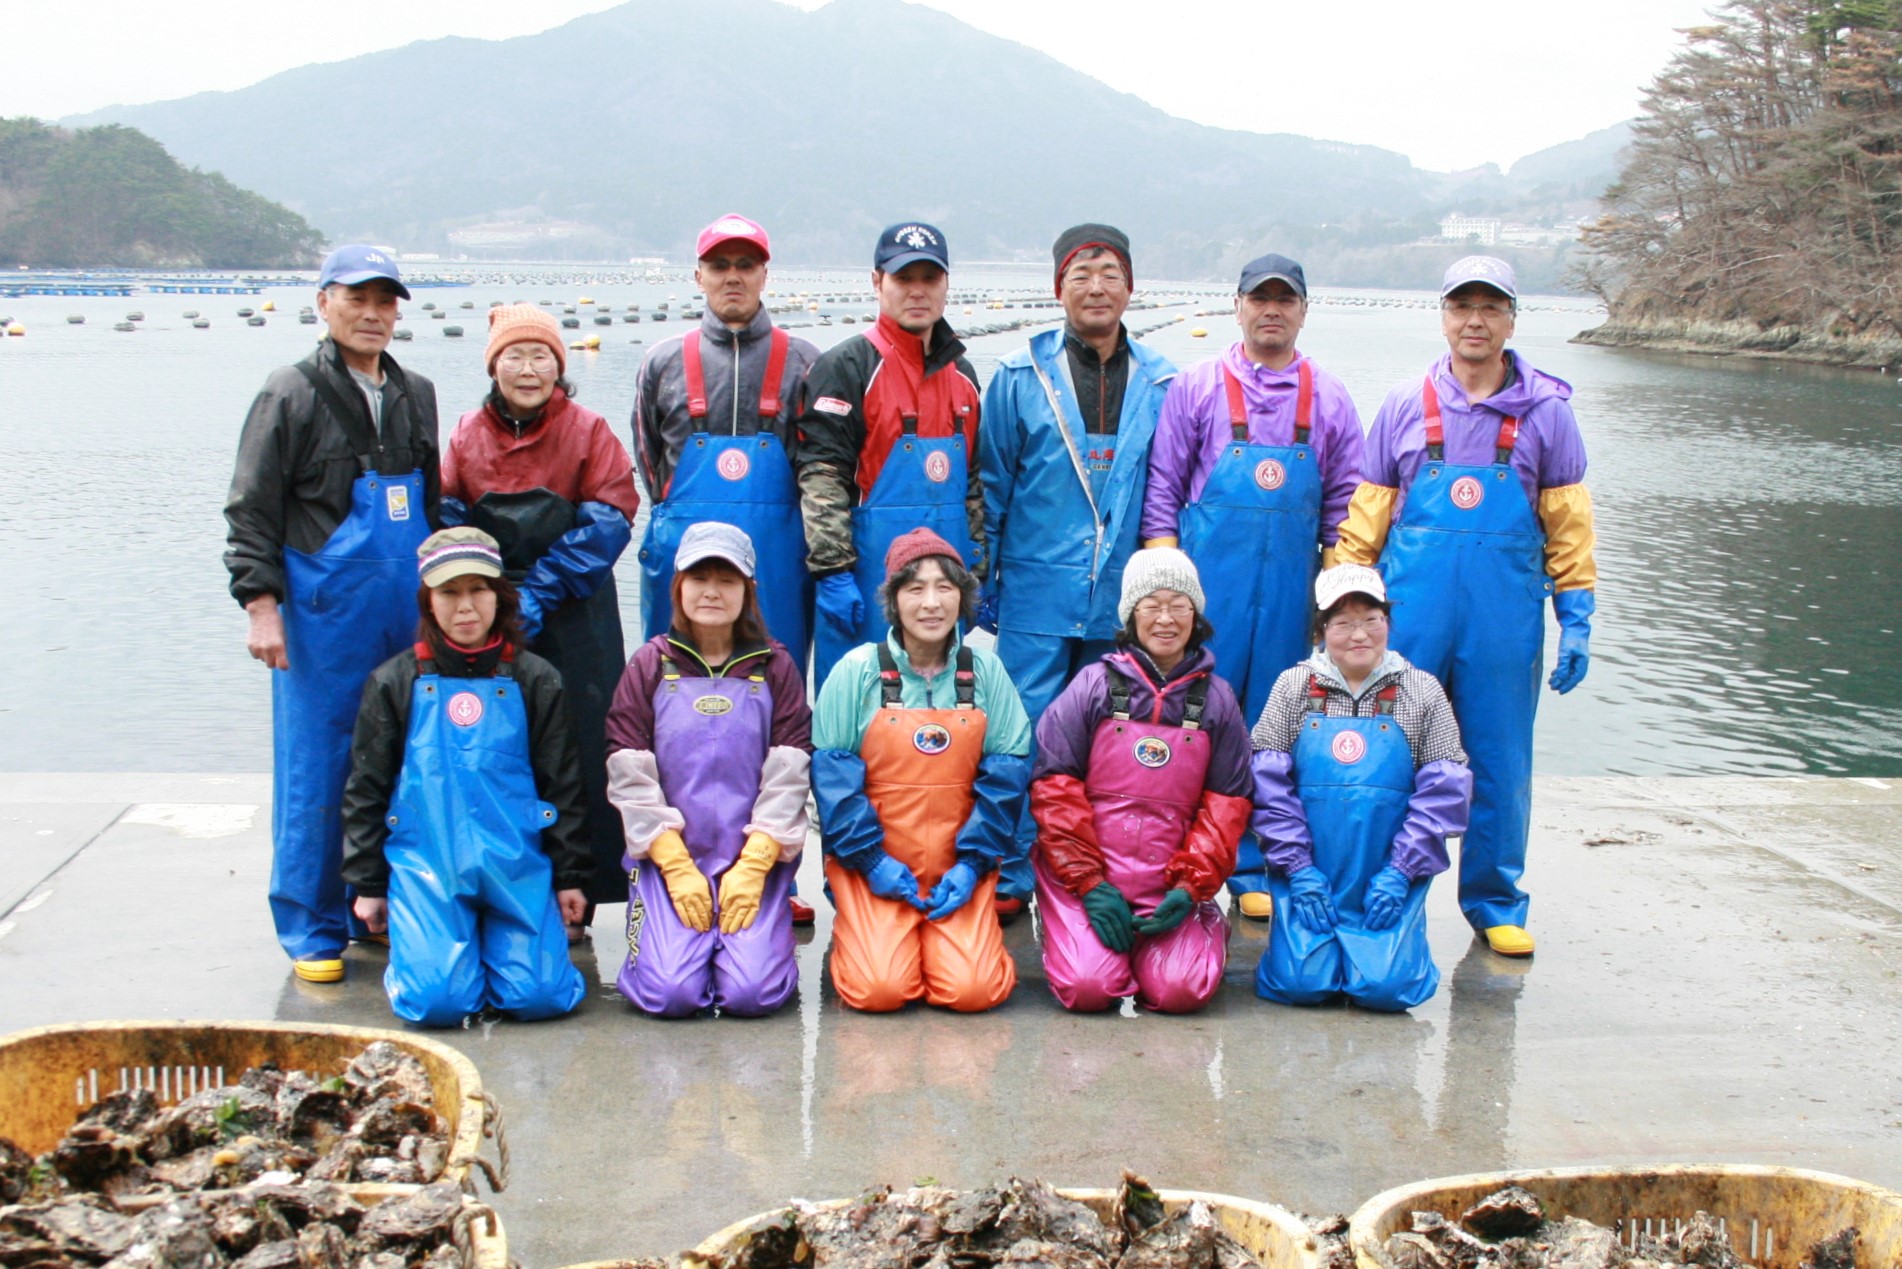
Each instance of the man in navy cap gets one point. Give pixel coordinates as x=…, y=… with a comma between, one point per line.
x=887, y=443
x=1256, y=456
x=336, y=486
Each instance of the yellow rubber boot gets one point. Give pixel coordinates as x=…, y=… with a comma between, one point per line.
x=745, y=882
x=686, y=885
x=327, y=969
x=1509, y=940
x=1256, y=905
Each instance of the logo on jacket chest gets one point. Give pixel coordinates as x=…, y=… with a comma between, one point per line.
x=733, y=464
x=465, y=709
x=938, y=466
x=712, y=705
x=1270, y=474
x=1153, y=752
x=931, y=739
x=1349, y=747
x=396, y=501
x=1467, y=493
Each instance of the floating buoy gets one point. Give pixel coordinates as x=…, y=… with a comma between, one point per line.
x=245, y=312
x=577, y=346
x=201, y=323
x=76, y=319
x=468, y=304
x=270, y=306
x=430, y=305
x=662, y=306
x=632, y=317
x=604, y=319
x=586, y=299
x=14, y=328
x=453, y=332
x=307, y=319
x=848, y=319
x=592, y=343
x=660, y=317
x=967, y=310
x=495, y=304
x=438, y=315
x=254, y=320
x=190, y=314
x=568, y=308
x=571, y=323
x=123, y=326
x=1198, y=333
x=402, y=335
x=813, y=307
x=135, y=316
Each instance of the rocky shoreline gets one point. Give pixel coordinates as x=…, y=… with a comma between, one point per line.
x=1747, y=339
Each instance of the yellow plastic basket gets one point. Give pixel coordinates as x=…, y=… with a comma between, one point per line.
x=1773, y=1215
x=1273, y=1235
x=49, y=1074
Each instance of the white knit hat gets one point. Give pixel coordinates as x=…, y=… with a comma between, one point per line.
x=1159, y=568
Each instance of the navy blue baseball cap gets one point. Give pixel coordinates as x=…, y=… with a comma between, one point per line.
x=1267, y=269
x=908, y=242
x=358, y=263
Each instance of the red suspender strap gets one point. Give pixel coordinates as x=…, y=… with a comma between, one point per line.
x=1317, y=693
x=1508, y=434
x=1303, y=402
x=1385, y=698
x=1435, y=434
x=1237, y=408
x=696, y=376
x=775, y=373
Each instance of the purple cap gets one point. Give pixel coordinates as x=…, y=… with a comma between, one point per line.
x=1485, y=270
x=358, y=263
x=907, y=243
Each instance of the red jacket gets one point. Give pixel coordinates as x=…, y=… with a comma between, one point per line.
x=568, y=451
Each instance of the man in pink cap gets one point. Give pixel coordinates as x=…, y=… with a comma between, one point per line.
x=713, y=426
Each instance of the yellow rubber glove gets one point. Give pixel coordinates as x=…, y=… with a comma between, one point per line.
x=693, y=898
x=1149, y=542
x=745, y=881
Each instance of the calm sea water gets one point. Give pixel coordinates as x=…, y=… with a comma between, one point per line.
x=1749, y=517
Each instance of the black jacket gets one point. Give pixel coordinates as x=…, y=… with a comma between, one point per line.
x=297, y=463
x=376, y=760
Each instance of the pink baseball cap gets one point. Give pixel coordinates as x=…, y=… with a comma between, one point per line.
x=732, y=227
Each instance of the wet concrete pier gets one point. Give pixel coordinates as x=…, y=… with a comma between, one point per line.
x=1717, y=981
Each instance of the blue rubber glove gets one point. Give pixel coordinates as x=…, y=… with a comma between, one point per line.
x=1175, y=905
x=1310, y=901
x=1574, y=610
x=890, y=879
x=840, y=603
x=452, y=511
x=952, y=892
x=1386, y=895
x=987, y=607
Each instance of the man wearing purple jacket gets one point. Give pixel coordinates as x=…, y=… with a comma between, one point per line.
x=1256, y=455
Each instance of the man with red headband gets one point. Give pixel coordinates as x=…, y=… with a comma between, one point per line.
x=1065, y=460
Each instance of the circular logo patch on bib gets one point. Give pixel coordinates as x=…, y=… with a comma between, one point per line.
x=713, y=705
x=1152, y=751
x=1349, y=748
x=1269, y=474
x=932, y=738
x=733, y=464
x=465, y=709
x=1467, y=493
x=937, y=466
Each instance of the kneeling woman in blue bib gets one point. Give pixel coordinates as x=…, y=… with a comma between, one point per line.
x=465, y=820
x=1359, y=780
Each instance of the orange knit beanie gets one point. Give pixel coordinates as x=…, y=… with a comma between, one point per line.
x=523, y=323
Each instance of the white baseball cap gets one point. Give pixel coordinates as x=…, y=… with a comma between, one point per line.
x=1335, y=584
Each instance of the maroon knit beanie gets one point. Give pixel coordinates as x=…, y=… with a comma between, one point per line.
x=914, y=546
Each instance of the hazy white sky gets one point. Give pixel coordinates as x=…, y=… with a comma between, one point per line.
x=1449, y=85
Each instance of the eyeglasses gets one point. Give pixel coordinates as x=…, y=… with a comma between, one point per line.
x=1179, y=609
x=1486, y=310
x=516, y=359
x=1372, y=625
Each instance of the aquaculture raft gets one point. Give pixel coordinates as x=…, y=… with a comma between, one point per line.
x=1773, y=1215
x=49, y=1074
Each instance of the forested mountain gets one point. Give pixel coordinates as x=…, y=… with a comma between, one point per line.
x=634, y=126
x=112, y=196
x=1760, y=208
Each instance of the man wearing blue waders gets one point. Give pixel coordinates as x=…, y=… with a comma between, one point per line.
x=887, y=434
x=1064, y=457
x=1256, y=455
x=713, y=431
x=1475, y=508
x=335, y=487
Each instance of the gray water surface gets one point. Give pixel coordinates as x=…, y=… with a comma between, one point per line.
x=1748, y=515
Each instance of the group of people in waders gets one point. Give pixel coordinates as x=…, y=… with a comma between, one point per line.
x=1241, y=642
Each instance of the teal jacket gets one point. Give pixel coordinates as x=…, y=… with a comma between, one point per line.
x=1057, y=556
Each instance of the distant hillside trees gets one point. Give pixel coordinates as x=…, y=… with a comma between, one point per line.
x=1764, y=180
x=111, y=196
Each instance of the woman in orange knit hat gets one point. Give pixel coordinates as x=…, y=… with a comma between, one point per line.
x=554, y=486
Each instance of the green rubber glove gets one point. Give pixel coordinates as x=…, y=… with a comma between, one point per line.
x=1110, y=917
x=1175, y=905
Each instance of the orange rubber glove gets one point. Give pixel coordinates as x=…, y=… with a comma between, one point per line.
x=745, y=882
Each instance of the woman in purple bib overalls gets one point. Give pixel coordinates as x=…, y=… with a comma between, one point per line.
x=1141, y=793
